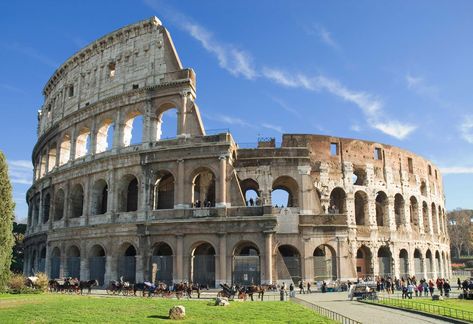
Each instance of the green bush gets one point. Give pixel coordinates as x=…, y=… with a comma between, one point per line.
x=469, y=264
x=17, y=284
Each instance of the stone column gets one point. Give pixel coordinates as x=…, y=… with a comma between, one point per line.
x=139, y=275
x=268, y=257
x=66, y=204
x=110, y=269
x=118, y=132
x=222, y=259
x=181, y=115
x=350, y=206
x=73, y=143
x=84, y=264
x=63, y=264
x=391, y=217
x=179, y=189
x=222, y=182
x=178, y=275
x=41, y=209
x=420, y=216
x=46, y=167
x=307, y=202
x=424, y=266
x=87, y=200
x=47, y=261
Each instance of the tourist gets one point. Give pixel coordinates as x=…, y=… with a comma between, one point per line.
x=324, y=287
x=459, y=283
x=308, y=288
x=292, y=293
x=404, y=291
x=252, y=202
x=447, y=288
x=410, y=289
x=301, y=287
x=431, y=287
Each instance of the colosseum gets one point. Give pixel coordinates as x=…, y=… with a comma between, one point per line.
x=107, y=202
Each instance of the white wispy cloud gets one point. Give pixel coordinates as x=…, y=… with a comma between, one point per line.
x=233, y=120
x=284, y=105
x=20, y=171
x=273, y=127
x=466, y=129
x=394, y=128
x=326, y=37
x=457, y=170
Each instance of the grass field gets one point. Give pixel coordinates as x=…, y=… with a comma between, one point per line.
x=55, y=308
x=455, y=308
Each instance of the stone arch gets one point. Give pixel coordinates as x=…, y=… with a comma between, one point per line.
x=46, y=207
x=59, y=205
x=65, y=149
x=404, y=263
x=382, y=206
x=133, y=120
x=361, y=208
x=429, y=263
x=435, y=224
x=73, y=262
x=399, y=208
x=77, y=201
x=338, y=201
x=162, y=263
x=32, y=262
x=163, y=190
x=99, y=199
x=425, y=217
x=251, y=191
x=127, y=262
x=246, y=263
x=104, y=136
x=203, y=264
x=325, y=263
x=128, y=193
x=385, y=261
x=359, y=175
x=42, y=170
x=82, y=143
x=414, y=211
x=418, y=265
x=423, y=188
x=290, y=186
x=364, y=260
x=203, y=187
x=438, y=264
x=42, y=260
x=97, y=263
x=291, y=265
x=52, y=156
x=55, y=259
x=165, y=114
x=441, y=220
x=36, y=206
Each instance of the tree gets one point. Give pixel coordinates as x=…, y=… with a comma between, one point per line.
x=459, y=229
x=7, y=207
x=18, y=253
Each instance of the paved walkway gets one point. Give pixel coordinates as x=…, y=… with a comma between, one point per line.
x=339, y=303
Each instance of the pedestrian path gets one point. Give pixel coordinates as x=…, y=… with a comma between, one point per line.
x=365, y=313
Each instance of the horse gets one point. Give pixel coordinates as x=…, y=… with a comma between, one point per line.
x=87, y=284
x=31, y=282
x=119, y=286
x=250, y=290
x=71, y=285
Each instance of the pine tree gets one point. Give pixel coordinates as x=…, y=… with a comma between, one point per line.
x=6, y=223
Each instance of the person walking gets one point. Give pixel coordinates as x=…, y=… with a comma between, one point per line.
x=410, y=289
x=308, y=288
x=459, y=283
x=292, y=293
x=431, y=287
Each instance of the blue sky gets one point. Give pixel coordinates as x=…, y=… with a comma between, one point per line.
x=394, y=72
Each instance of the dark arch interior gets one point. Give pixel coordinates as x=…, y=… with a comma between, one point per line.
x=247, y=250
x=288, y=251
x=97, y=251
x=162, y=249
x=204, y=249
x=130, y=251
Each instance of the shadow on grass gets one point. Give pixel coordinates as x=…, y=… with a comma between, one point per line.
x=159, y=316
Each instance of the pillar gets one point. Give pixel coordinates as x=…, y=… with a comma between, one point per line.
x=222, y=259
x=179, y=189
x=118, y=132
x=178, y=275
x=181, y=115
x=73, y=144
x=139, y=274
x=110, y=269
x=222, y=182
x=268, y=257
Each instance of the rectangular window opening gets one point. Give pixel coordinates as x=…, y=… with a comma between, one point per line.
x=135, y=86
x=410, y=165
x=71, y=91
x=333, y=149
x=111, y=70
x=430, y=170
x=378, y=154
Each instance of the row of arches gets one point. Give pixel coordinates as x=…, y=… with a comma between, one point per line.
x=91, y=139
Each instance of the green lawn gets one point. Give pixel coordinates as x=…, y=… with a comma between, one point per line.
x=456, y=308
x=55, y=308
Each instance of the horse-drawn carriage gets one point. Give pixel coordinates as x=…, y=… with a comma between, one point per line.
x=364, y=290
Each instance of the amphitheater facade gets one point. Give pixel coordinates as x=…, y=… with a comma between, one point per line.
x=104, y=205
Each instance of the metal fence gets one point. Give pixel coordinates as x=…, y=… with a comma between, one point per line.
x=246, y=270
x=204, y=270
x=424, y=307
x=127, y=268
x=97, y=269
x=164, y=268
x=42, y=265
x=73, y=267
x=325, y=312
x=55, y=267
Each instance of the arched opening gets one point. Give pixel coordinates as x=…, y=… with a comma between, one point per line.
x=325, y=263
x=77, y=201
x=441, y=220
x=65, y=150
x=439, y=264
x=73, y=262
x=42, y=260
x=363, y=262
x=97, y=262
x=337, y=201
x=32, y=269
x=42, y=168
x=246, y=265
x=361, y=208
x=36, y=203
x=445, y=265
x=161, y=264
x=382, y=206
x=59, y=205
x=414, y=211
x=359, y=176
x=203, y=189
x=133, y=130
x=105, y=136
x=290, y=265
x=52, y=157
x=163, y=192
x=285, y=192
x=418, y=267
x=46, y=207
x=83, y=143
x=128, y=193
x=99, y=197
x=434, y=219
x=55, y=263
x=404, y=264
x=127, y=263
x=425, y=216
x=167, y=124
x=399, y=210
x=384, y=261
x=429, y=264
x=250, y=190
x=203, y=265
x=423, y=188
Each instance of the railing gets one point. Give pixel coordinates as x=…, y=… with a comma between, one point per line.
x=424, y=307
x=325, y=312
x=461, y=273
